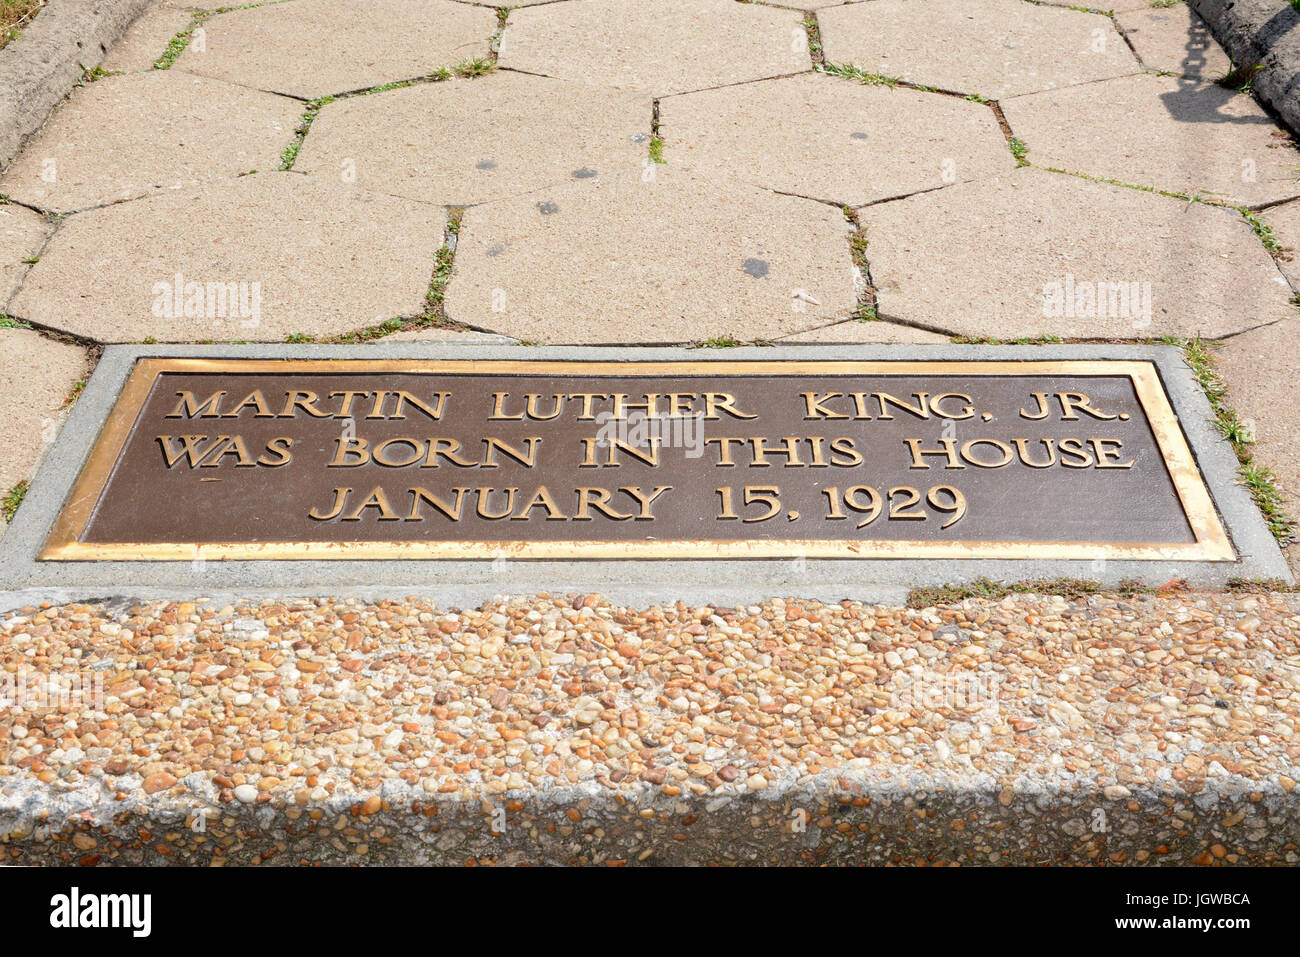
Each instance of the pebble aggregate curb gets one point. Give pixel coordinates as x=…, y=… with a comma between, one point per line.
x=1264, y=33
x=39, y=68
x=1035, y=729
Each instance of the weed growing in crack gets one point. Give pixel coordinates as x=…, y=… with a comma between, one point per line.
x=1259, y=481
x=182, y=40
x=290, y=153
x=1188, y=198
x=989, y=589
x=1262, y=230
x=1259, y=586
x=854, y=73
x=814, y=31
x=434, y=315
x=74, y=393
x=90, y=75
x=474, y=66
x=12, y=499
x=1044, y=340
x=867, y=308
x=1241, y=79
x=494, y=42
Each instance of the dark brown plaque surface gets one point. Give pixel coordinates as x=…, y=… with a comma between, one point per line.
x=264, y=459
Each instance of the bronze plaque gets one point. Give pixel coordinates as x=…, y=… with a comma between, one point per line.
x=475, y=459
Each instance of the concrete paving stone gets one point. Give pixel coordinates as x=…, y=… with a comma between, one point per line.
x=311, y=48
x=1161, y=132
x=833, y=139
x=860, y=332
x=1174, y=40
x=31, y=403
x=123, y=137
x=1261, y=368
x=21, y=234
x=439, y=334
x=678, y=258
x=1001, y=257
x=995, y=48
x=656, y=46
x=460, y=142
x=305, y=256
x=1284, y=221
x=148, y=37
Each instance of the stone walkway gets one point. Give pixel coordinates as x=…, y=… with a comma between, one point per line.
x=654, y=171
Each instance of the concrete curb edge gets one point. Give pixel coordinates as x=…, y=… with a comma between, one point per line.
x=39, y=68
x=1264, y=33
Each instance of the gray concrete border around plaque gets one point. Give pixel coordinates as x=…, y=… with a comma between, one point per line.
x=23, y=580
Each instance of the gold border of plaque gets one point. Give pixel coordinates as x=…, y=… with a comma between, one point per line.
x=1211, y=540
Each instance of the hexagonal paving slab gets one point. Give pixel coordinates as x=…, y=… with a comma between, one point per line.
x=21, y=234
x=1161, y=132
x=123, y=137
x=676, y=259
x=1261, y=368
x=658, y=46
x=311, y=48
x=257, y=258
x=1174, y=39
x=1025, y=254
x=995, y=47
x=31, y=405
x=1284, y=221
x=833, y=139
x=460, y=142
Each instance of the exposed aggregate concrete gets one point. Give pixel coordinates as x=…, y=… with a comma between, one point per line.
x=1153, y=729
